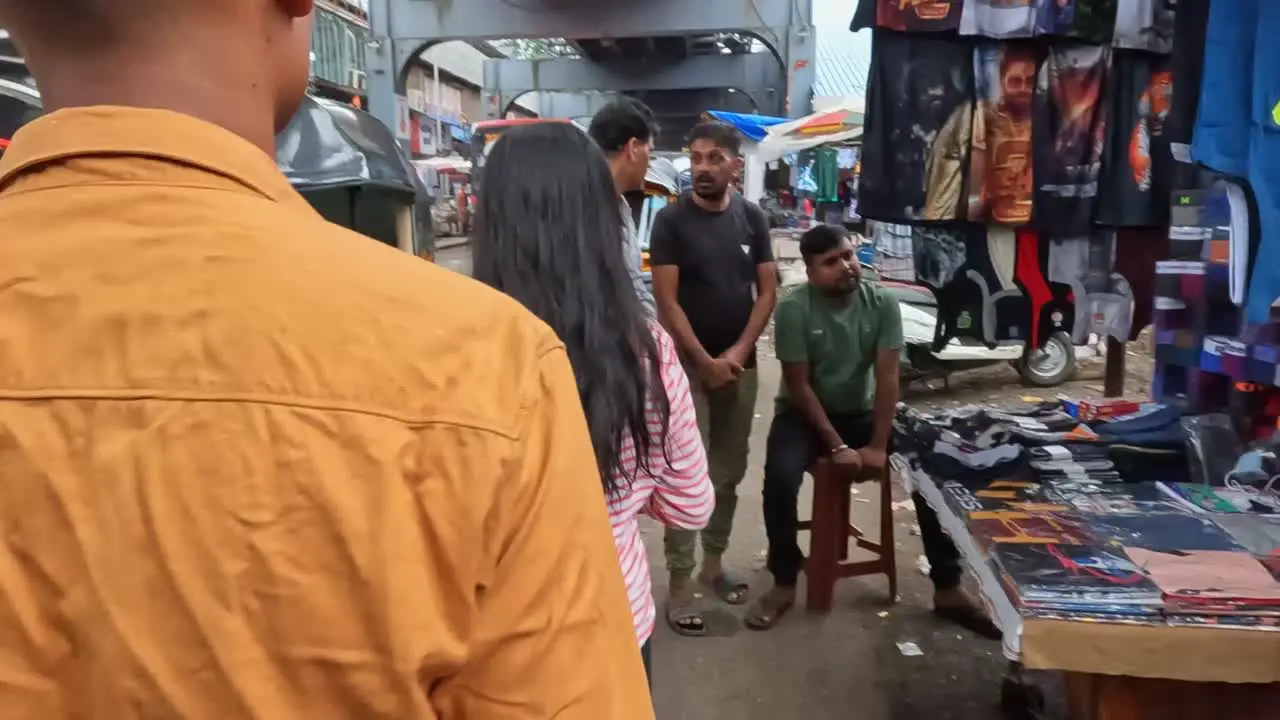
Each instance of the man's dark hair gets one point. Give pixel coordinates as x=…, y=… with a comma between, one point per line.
x=620, y=121
x=722, y=134
x=820, y=239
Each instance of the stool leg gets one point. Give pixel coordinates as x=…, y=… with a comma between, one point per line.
x=820, y=575
x=888, y=551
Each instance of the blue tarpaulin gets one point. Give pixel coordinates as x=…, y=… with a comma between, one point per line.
x=753, y=126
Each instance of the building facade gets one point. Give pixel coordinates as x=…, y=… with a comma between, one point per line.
x=339, y=37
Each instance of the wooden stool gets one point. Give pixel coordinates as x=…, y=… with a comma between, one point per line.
x=830, y=531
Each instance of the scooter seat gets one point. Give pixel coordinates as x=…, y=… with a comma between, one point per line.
x=917, y=295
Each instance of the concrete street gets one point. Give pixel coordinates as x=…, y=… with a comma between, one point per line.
x=848, y=664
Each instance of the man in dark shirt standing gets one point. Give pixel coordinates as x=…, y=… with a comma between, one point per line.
x=715, y=284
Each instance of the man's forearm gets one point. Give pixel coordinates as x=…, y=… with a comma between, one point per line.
x=807, y=402
x=759, y=320
x=673, y=318
x=886, y=405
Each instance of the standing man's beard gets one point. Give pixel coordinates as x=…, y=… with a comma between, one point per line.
x=716, y=193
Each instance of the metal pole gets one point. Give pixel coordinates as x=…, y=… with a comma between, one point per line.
x=435, y=68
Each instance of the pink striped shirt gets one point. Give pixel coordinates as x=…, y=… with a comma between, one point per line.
x=677, y=494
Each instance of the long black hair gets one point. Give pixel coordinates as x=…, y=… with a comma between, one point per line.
x=548, y=232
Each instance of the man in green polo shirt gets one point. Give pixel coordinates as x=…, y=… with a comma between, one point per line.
x=839, y=339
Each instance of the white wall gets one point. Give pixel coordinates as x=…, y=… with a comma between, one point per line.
x=460, y=59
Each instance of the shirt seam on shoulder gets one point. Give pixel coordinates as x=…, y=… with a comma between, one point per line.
x=305, y=403
x=244, y=191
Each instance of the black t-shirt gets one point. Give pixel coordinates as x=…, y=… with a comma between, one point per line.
x=864, y=16
x=1068, y=136
x=917, y=128
x=1137, y=165
x=717, y=254
x=1190, y=23
x=1092, y=21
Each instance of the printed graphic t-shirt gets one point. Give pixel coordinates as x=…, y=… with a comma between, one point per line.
x=1000, y=182
x=1092, y=21
x=1137, y=165
x=1190, y=26
x=917, y=128
x=1054, y=17
x=1069, y=136
x=717, y=254
x=1001, y=19
x=1145, y=25
x=918, y=15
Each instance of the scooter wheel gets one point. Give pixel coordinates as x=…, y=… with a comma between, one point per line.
x=1052, y=364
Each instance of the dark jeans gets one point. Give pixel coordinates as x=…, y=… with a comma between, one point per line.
x=794, y=446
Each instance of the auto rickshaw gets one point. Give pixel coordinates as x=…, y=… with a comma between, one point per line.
x=350, y=168
x=661, y=188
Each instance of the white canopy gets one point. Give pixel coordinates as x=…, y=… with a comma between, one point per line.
x=842, y=123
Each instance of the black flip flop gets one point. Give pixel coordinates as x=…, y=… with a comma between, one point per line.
x=971, y=619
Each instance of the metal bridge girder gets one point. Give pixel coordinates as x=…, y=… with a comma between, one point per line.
x=403, y=28
x=758, y=75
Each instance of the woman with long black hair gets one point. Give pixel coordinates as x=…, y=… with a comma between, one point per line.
x=547, y=233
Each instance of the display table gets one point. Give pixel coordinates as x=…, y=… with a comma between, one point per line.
x=1118, y=671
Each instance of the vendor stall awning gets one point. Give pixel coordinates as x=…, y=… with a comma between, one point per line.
x=755, y=127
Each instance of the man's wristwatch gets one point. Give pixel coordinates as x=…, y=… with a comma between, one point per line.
x=839, y=447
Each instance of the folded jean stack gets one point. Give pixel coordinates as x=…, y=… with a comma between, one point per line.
x=1092, y=511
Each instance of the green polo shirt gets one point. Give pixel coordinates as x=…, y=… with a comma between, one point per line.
x=839, y=341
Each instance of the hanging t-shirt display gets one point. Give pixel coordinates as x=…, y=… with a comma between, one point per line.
x=972, y=270
x=1145, y=25
x=1004, y=304
x=826, y=174
x=1000, y=183
x=1000, y=19
x=1103, y=297
x=1190, y=24
x=1069, y=136
x=1137, y=166
x=1137, y=252
x=916, y=129
x=1049, y=306
x=938, y=253
x=1055, y=17
x=1092, y=21
x=918, y=15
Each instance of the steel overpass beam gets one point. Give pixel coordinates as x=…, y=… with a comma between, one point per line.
x=758, y=75
x=403, y=28
x=570, y=105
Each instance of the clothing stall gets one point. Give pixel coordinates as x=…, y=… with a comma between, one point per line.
x=1095, y=167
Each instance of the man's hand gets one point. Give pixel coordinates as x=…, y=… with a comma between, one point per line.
x=847, y=461
x=873, y=461
x=737, y=355
x=719, y=372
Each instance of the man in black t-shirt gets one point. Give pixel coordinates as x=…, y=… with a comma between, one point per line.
x=715, y=284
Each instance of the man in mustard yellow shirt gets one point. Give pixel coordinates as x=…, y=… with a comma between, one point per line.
x=254, y=465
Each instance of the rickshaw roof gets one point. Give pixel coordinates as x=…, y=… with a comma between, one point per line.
x=329, y=144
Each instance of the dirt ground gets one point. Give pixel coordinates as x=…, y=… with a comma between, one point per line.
x=847, y=664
